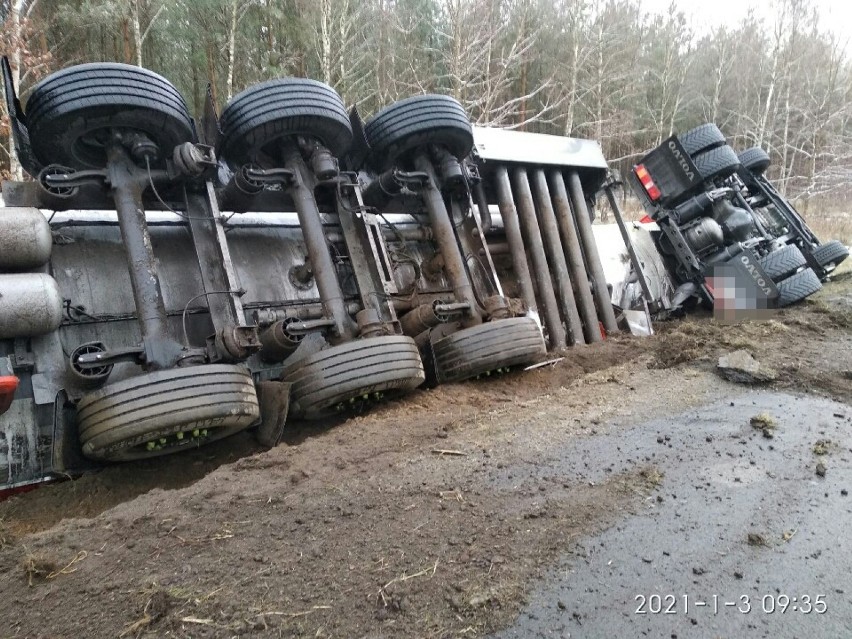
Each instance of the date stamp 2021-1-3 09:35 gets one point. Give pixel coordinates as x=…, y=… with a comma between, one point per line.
x=774, y=603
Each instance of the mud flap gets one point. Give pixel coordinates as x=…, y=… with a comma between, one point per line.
x=67, y=454
x=17, y=123
x=274, y=400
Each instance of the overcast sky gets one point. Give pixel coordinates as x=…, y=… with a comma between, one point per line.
x=706, y=15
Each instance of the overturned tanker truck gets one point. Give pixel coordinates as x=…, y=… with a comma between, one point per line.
x=165, y=284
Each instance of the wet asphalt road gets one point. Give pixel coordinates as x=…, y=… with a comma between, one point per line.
x=689, y=544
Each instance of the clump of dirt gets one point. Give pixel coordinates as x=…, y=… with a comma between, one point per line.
x=684, y=342
x=823, y=447
x=757, y=539
x=652, y=476
x=765, y=423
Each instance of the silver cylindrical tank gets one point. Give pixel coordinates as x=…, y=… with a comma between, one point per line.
x=30, y=305
x=703, y=235
x=25, y=239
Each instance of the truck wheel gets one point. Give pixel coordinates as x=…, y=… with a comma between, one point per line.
x=255, y=121
x=70, y=113
x=783, y=262
x=798, y=287
x=720, y=162
x=480, y=349
x=166, y=411
x=755, y=160
x=830, y=253
x=414, y=122
x=701, y=138
x=324, y=381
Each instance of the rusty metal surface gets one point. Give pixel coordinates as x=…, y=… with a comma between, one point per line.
x=445, y=237
x=127, y=184
x=371, y=265
x=323, y=268
x=215, y=264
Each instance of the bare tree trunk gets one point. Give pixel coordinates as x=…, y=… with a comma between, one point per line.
x=600, y=97
x=381, y=86
x=125, y=36
x=15, y=62
x=341, y=58
x=773, y=77
x=572, y=89
x=717, y=89
x=232, y=34
x=137, y=31
x=785, y=145
x=524, y=73
x=211, y=72
x=325, y=40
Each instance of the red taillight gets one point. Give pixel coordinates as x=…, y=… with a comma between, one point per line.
x=647, y=182
x=8, y=386
x=646, y=219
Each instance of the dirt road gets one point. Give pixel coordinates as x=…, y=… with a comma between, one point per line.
x=493, y=506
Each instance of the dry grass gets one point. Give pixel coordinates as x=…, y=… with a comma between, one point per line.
x=6, y=536
x=38, y=567
x=840, y=317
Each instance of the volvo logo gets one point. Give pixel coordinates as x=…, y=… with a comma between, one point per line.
x=755, y=275
x=681, y=160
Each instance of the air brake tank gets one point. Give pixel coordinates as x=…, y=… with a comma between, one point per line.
x=30, y=305
x=25, y=239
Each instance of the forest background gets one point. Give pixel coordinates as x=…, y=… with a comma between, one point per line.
x=600, y=69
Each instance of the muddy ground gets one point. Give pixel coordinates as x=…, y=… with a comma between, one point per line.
x=460, y=511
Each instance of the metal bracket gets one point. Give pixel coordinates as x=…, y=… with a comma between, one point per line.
x=55, y=178
x=684, y=254
x=264, y=177
x=23, y=358
x=195, y=160
x=613, y=180
x=235, y=344
x=210, y=131
x=359, y=150
x=104, y=358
